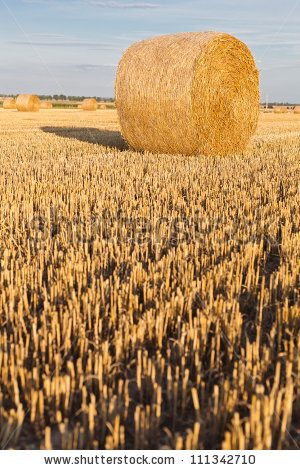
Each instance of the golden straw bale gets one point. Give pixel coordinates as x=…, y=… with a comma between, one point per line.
x=280, y=109
x=9, y=103
x=28, y=103
x=89, y=104
x=297, y=109
x=188, y=93
x=46, y=105
x=102, y=106
x=79, y=106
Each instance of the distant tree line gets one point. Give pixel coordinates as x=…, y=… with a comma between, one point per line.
x=277, y=103
x=68, y=98
x=74, y=98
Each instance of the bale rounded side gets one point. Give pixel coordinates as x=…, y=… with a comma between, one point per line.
x=89, y=104
x=188, y=93
x=297, y=109
x=9, y=103
x=29, y=103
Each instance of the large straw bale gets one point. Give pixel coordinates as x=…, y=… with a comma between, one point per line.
x=297, y=109
x=46, y=105
x=28, y=103
x=188, y=93
x=89, y=104
x=9, y=103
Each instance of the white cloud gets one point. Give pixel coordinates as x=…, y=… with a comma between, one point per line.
x=84, y=67
x=96, y=45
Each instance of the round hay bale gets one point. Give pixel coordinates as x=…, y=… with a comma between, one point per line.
x=280, y=109
x=297, y=109
x=9, y=103
x=46, y=105
x=89, y=104
x=188, y=93
x=79, y=106
x=102, y=106
x=28, y=103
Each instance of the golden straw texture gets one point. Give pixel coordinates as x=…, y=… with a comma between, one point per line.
x=297, y=110
x=28, y=103
x=45, y=105
x=9, y=103
x=188, y=93
x=89, y=104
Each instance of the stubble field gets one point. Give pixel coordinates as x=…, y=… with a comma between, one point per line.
x=147, y=301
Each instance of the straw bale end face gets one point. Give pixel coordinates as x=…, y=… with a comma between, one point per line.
x=9, y=103
x=29, y=103
x=46, y=105
x=188, y=93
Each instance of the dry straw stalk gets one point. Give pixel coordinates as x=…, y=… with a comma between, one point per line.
x=89, y=104
x=9, y=103
x=188, y=93
x=28, y=103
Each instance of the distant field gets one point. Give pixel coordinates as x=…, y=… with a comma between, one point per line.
x=147, y=301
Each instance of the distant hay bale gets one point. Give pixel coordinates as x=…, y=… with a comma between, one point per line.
x=280, y=109
x=188, y=93
x=297, y=109
x=45, y=105
x=102, y=106
x=89, y=104
x=79, y=106
x=9, y=103
x=28, y=103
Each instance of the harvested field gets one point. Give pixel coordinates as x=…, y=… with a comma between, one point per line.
x=147, y=301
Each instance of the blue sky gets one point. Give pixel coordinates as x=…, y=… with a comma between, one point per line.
x=73, y=46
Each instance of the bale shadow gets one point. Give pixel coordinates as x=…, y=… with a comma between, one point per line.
x=91, y=135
